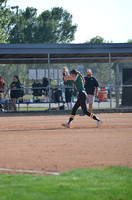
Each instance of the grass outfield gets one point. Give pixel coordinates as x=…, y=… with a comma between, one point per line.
x=112, y=183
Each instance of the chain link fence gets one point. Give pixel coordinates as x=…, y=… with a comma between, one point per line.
x=39, y=96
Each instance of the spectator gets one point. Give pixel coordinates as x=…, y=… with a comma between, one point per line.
x=91, y=86
x=68, y=91
x=15, y=94
x=68, y=94
x=2, y=85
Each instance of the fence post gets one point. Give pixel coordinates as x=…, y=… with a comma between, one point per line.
x=110, y=80
x=49, y=82
x=18, y=70
x=117, y=85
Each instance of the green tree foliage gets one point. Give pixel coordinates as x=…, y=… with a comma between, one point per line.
x=97, y=40
x=100, y=70
x=129, y=41
x=8, y=71
x=23, y=26
x=53, y=26
x=5, y=18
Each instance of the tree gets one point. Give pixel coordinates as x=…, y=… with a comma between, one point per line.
x=97, y=40
x=53, y=26
x=5, y=18
x=100, y=70
x=129, y=41
x=24, y=26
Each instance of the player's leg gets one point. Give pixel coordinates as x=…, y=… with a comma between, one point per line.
x=67, y=99
x=13, y=101
x=83, y=103
x=87, y=102
x=91, y=101
x=75, y=107
x=82, y=97
x=90, y=107
x=68, y=105
x=71, y=103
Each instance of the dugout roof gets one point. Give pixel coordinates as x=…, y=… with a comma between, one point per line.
x=65, y=53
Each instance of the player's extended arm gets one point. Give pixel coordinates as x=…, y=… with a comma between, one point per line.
x=67, y=74
x=70, y=78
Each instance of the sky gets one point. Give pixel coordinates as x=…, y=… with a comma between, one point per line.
x=110, y=19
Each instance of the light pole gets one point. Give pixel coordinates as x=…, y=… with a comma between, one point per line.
x=17, y=7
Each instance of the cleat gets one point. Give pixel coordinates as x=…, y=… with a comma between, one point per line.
x=99, y=123
x=66, y=125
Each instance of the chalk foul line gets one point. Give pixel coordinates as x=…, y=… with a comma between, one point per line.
x=29, y=171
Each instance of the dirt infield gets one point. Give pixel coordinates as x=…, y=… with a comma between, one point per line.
x=40, y=143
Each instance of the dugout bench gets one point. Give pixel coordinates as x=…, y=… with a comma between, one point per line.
x=62, y=102
x=100, y=101
x=28, y=103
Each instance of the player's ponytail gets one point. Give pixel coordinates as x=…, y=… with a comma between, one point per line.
x=81, y=77
x=74, y=71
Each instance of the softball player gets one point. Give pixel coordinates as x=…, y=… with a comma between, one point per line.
x=79, y=81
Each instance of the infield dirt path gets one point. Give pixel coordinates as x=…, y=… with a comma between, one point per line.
x=40, y=143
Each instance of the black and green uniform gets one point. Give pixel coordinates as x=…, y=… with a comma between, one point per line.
x=82, y=96
x=68, y=91
x=15, y=93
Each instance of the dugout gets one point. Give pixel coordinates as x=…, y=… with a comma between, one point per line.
x=111, y=53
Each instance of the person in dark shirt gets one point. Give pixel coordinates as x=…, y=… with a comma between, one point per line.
x=68, y=94
x=91, y=87
x=15, y=93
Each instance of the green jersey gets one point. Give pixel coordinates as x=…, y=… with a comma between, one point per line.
x=79, y=84
x=68, y=83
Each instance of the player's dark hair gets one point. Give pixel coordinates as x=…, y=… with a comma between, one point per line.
x=74, y=71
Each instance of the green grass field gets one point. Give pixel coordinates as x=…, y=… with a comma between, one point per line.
x=46, y=108
x=112, y=183
x=33, y=108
